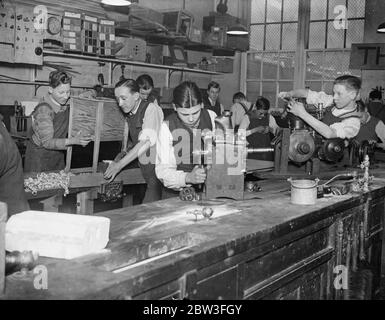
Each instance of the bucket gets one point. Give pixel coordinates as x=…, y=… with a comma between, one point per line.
x=303, y=191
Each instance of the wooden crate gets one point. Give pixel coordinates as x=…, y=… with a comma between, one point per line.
x=101, y=119
x=3, y=219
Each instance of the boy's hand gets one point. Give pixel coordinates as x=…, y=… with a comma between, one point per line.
x=296, y=108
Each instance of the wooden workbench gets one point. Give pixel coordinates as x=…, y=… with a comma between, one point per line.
x=268, y=249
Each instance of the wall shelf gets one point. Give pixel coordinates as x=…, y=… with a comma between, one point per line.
x=126, y=62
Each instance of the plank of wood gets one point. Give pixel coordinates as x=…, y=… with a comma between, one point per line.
x=3, y=219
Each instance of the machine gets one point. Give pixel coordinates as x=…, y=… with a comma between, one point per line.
x=301, y=145
x=223, y=156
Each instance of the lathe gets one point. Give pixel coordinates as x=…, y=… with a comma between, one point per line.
x=302, y=145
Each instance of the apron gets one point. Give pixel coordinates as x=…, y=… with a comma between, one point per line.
x=37, y=158
x=11, y=176
x=135, y=124
x=259, y=140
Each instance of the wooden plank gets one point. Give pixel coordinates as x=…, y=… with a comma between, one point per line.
x=3, y=219
x=70, y=125
x=98, y=132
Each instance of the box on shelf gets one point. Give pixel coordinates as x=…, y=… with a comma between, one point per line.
x=178, y=22
x=107, y=37
x=218, y=23
x=72, y=32
x=221, y=64
x=90, y=35
x=133, y=49
x=196, y=35
x=215, y=37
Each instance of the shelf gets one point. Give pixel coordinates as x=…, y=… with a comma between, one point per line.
x=37, y=83
x=161, y=38
x=133, y=63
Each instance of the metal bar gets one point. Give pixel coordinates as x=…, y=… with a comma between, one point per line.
x=132, y=63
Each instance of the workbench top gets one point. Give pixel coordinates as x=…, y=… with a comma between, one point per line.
x=153, y=244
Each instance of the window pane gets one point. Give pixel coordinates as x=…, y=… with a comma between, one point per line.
x=269, y=91
x=284, y=86
x=356, y=8
x=258, y=11
x=334, y=11
x=314, y=85
x=253, y=90
x=270, y=65
x=317, y=35
x=314, y=65
x=256, y=37
x=336, y=64
x=286, y=66
x=289, y=36
x=273, y=36
x=335, y=36
x=355, y=32
x=290, y=10
x=318, y=9
x=274, y=10
x=254, y=63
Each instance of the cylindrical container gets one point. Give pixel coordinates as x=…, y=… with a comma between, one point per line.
x=303, y=191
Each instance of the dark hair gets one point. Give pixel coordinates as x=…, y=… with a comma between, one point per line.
x=351, y=82
x=128, y=83
x=239, y=96
x=145, y=82
x=375, y=94
x=57, y=77
x=361, y=106
x=262, y=104
x=213, y=84
x=187, y=95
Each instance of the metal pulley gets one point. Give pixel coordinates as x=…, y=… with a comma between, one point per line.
x=332, y=150
x=302, y=146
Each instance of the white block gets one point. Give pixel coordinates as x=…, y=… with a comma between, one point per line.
x=56, y=235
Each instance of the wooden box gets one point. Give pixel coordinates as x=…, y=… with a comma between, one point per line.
x=102, y=119
x=3, y=219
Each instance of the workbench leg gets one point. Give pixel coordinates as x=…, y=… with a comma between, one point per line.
x=128, y=200
x=52, y=204
x=85, y=202
x=3, y=219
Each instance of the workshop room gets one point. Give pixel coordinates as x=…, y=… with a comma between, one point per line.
x=192, y=150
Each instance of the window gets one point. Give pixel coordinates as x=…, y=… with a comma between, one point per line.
x=333, y=26
x=274, y=24
x=336, y=23
x=269, y=73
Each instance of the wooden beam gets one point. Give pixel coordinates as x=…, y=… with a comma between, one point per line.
x=3, y=219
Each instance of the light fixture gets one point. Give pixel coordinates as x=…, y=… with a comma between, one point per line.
x=381, y=28
x=238, y=29
x=116, y=2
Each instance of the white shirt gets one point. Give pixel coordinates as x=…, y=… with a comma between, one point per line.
x=347, y=128
x=272, y=123
x=238, y=112
x=166, y=166
x=152, y=121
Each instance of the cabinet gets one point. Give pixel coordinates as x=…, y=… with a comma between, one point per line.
x=303, y=264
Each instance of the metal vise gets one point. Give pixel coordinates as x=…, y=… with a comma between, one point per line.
x=224, y=157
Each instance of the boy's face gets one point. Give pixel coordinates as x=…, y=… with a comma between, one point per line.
x=145, y=93
x=126, y=99
x=190, y=116
x=213, y=93
x=342, y=96
x=61, y=93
